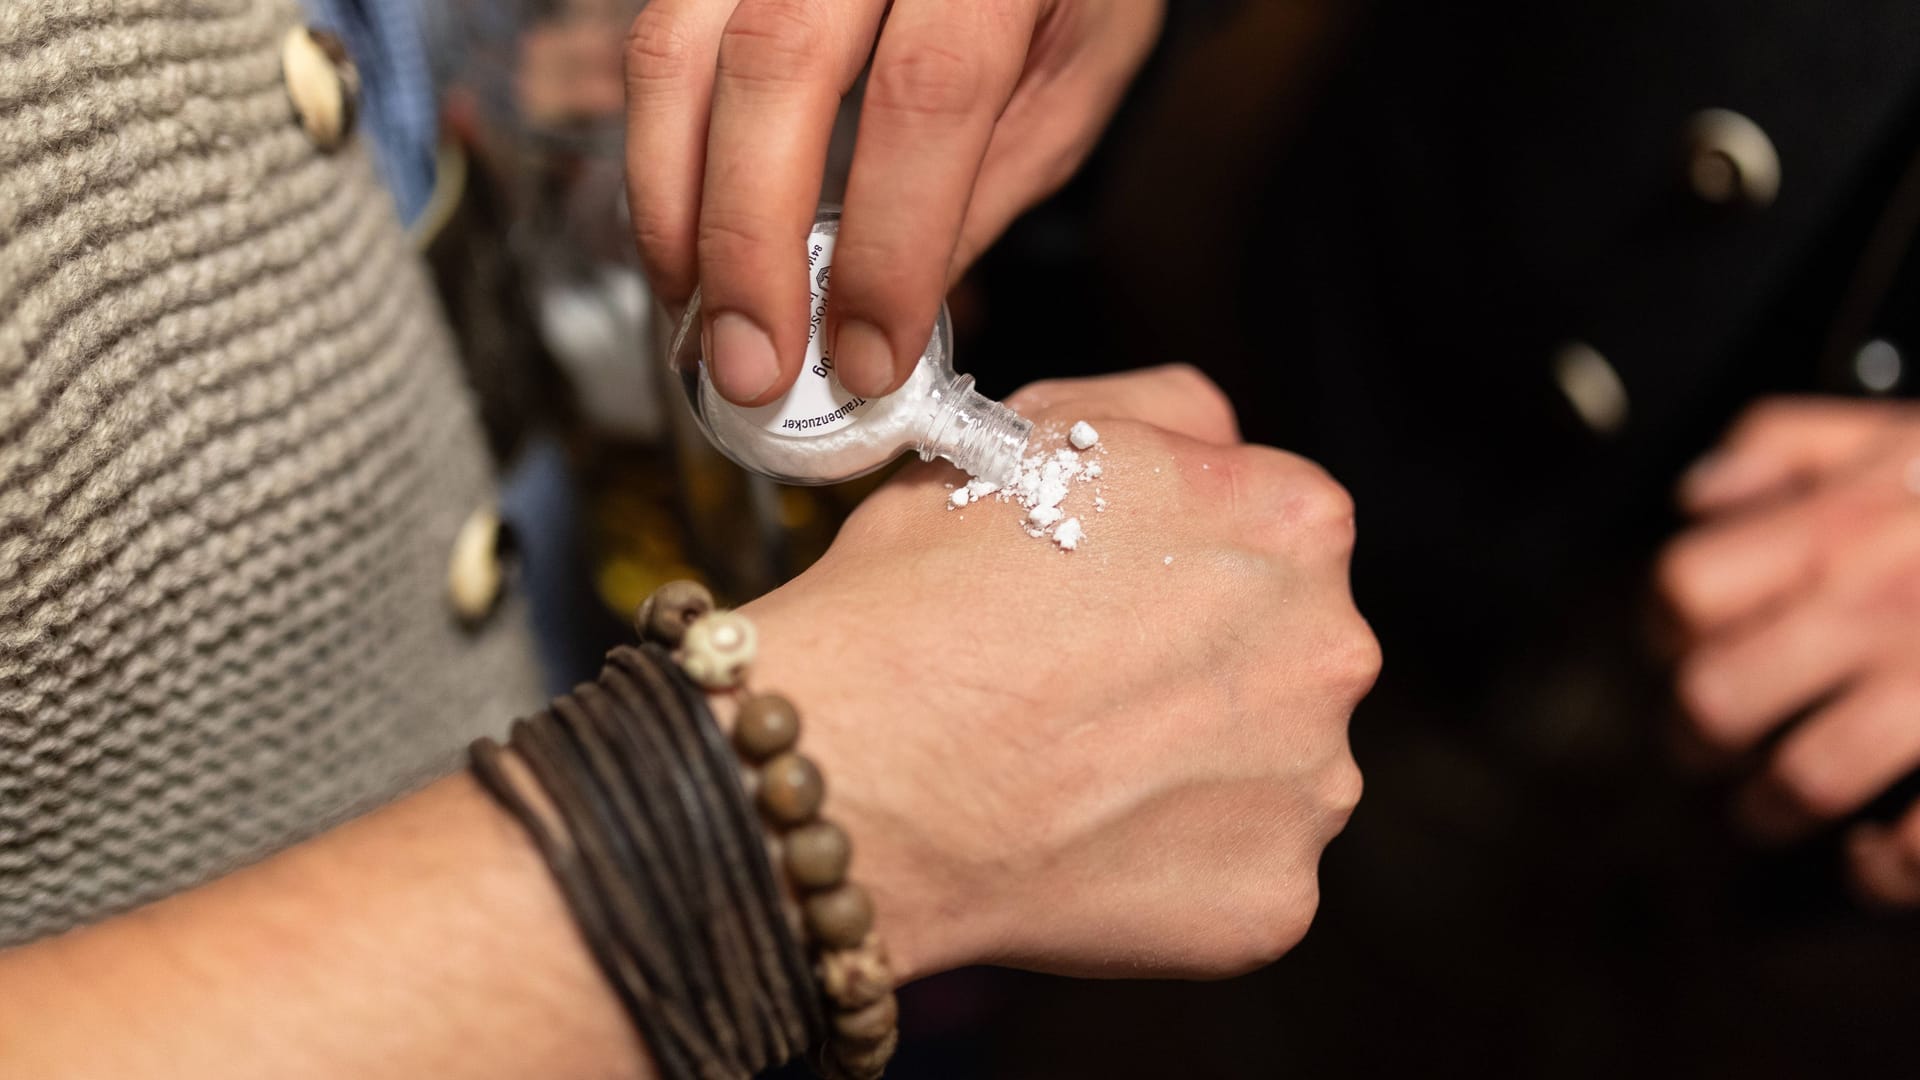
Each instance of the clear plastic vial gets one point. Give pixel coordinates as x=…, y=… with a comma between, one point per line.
x=820, y=433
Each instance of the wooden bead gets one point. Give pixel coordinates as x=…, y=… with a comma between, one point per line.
x=870, y=1024
x=768, y=725
x=858, y=977
x=866, y=1062
x=817, y=855
x=718, y=648
x=840, y=918
x=791, y=790
x=666, y=614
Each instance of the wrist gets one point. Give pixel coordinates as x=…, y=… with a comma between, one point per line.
x=924, y=909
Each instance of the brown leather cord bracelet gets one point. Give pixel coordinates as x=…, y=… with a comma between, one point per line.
x=571, y=879
x=641, y=860
x=632, y=784
x=617, y=934
x=648, y=852
x=750, y=945
x=704, y=883
x=780, y=959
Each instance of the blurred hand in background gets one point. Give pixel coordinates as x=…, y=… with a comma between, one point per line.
x=973, y=112
x=1798, y=591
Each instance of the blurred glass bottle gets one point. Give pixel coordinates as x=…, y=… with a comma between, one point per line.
x=540, y=86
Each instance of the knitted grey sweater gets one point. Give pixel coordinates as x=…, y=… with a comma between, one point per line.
x=235, y=448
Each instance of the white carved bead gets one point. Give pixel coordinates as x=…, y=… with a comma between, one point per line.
x=718, y=648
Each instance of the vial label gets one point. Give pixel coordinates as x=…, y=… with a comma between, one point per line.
x=817, y=404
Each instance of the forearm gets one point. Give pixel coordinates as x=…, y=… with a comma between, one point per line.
x=426, y=939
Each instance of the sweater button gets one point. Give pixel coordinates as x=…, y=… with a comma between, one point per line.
x=477, y=569
x=1731, y=161
x=1878, y=366
x=322, y=83
x=1592, y=386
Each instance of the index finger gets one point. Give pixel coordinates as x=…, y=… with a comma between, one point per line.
x=782, y=69
x=941, y=76
x=671, y=51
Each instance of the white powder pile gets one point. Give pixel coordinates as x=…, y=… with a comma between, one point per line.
x=1069, y=534
x=1042, y=484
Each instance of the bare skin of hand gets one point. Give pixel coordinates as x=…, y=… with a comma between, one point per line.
x=1095, y=763
x=1798, y=590
x=973, y=112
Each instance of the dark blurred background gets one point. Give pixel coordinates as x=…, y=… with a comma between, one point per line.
x=1460, y=255
x=1505, y=268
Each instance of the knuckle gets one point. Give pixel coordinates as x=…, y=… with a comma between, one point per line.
x=1320, y=502
x=663, y=242
x=878, y=277
x=656, y=232
x=1262, y=930
x=1360, y=662
x=1290, y=502
x=1287, y=926
x=1348, y=661
x=775, y=42
x=926, y=82
x=659, y=47
x=1341, y=793
x=729, y=241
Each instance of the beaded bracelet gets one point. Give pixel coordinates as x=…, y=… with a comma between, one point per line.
x=715, y=649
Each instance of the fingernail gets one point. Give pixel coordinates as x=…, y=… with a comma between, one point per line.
x=743, y=361
x=863, y=358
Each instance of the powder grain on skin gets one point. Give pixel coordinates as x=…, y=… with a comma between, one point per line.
x=1042, y=484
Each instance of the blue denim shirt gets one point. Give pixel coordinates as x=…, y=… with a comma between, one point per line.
x=388, y=42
